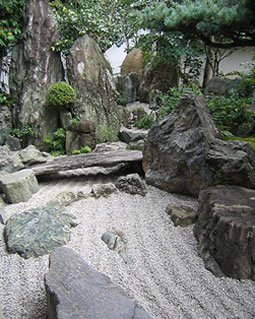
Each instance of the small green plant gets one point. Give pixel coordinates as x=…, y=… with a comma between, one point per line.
x=145, y=122
x=23, y=132
x=82, y=150
x=61, y=94
x=75, y=121
x=105, y=133
x=56, y=142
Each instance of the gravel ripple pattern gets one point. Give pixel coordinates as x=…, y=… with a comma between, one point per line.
x=164, y=273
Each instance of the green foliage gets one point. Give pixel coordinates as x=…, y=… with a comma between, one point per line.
x=229, y=112
x=75, y=121
x=145, y=122
x=20, y=133
x=56, y=142
x=250, y=140
x=61, y=94
x=170, y=99
x=105, y=133
x=6, y=99
x=216, y=22
x=82, y=150
x=11, y=20
x=247, y=86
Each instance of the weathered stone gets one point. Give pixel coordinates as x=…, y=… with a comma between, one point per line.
x=134, y=112
x=34, y=68
x=65, y=117
x=132, y=135
x=225, y=231
x=9, y=161
x=137, y=145
x=2, y=211
x=110, y=239
x=13, y=143
x=19, y=186
x=79, y=135
x=132, y=184
x=134, y=62
x=76, y=291
x=5, y=123
x=157, y=76
x=111, y=147
x=183, y=154
x=90, y=164
x=220, y=85
x=38, y=231
x=104, y=190
x=91, y=75
x=31, y=155
x=181, y=215
x=126, y=86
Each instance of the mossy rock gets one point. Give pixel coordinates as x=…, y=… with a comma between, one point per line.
x=250, y=140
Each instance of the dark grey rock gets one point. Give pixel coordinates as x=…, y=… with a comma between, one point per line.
x=5, y=123
x=183, y=153
x=132, y=184
x=181, y=215
x=225, y=231
x=132, y=135
x=91, y=75
x=38, y=231
x=90, y=164
x=77, y=291
x=34, y=68
x=13, y=143
x=19, y=186
x=104, y=190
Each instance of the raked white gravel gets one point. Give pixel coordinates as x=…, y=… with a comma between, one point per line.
x=164, y=274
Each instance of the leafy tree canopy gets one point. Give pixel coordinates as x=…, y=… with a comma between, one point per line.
x=218, y=23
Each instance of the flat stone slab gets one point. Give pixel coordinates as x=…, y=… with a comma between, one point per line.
x=38, y=231
x=90, y=164
x=77, y=291
x=19, y=186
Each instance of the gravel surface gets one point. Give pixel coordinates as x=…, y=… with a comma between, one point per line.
x=164, y=273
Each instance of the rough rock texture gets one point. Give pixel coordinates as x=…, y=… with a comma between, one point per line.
x=132, y=135
x=91, y=164
x=181, y=215
x=79, y=135
x=132, y=184
x=5, y=123
x=19, y=186
x=38, y=231
x=225, y=231
x=183, y=153
x=126, y=86
x=134, y=62
x=91, y=75
x=34, y=67
x=220, y=85
x=31, y=155
x=104, y=190
x=111, y=147
x=134, y=112
x=9, y=161
x=76, y=291
x=160, y=76
x=13, y=143
x=136, y=145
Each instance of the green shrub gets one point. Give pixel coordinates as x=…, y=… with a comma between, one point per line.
x=105, y=133
x=82, y=150
x=22, y=133
x=56, y=142
x=145, y=122
x=61, y=94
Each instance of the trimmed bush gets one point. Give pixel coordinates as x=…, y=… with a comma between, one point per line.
x=61, y=94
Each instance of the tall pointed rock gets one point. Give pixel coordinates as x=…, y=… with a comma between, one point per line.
x=34, y=67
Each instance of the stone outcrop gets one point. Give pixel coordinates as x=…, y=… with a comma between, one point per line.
x=5, y=123
x=225, y=231
x=34, y=67
x=31, y=156
x=134, y=112
x=181, y=215
x=183, y=153
x=75, y=290
x=134, y=62
x=132, y=135
x=91, y=75
x=127, y=88
x=132, y=184
x=90, y=164
x=221, y=85
x=105, y=190
x=111, y=147
x=38, y=231
x=159, y=76
x=9, y=161
x=19, y=186
x=79, y=135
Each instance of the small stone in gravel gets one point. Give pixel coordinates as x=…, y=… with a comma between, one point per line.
x=181, y=215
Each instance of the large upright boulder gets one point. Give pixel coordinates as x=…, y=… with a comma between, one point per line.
x=183, y=153
x=34, y=67
x=5, y=123
x=91, y=75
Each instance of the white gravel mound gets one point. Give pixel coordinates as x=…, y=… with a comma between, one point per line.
x=164, y=273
